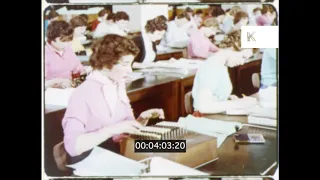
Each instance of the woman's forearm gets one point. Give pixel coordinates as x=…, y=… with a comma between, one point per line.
x=87, y=141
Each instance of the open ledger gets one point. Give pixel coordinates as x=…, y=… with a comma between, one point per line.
x=102, y=162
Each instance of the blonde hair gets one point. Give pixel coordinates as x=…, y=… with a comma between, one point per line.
x=234, y=10
x=233, y=39
x=210, y=22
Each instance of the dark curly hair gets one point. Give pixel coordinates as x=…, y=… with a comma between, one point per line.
x=60, y=29
x=159, y=23
x=108, y=50
x=121, y=15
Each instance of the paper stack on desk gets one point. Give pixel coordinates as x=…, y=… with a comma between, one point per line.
x=265, y=113
x=216, y=128
x=58, y=97
x=181, y=66
x=163, y=167
x=133, y=76
x=102, y=162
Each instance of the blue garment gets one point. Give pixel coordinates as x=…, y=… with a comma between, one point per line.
x=269, y=67
x=212, y=79
x=46, y=24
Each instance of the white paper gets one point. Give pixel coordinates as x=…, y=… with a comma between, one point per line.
x=259, y=111
x=58, y=97
x=268, y=97
x=102, y=162
x=163, y=167
x=133, y=76
x=262, y=121
x=216, y=128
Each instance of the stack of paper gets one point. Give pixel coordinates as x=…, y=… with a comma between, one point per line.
x=58, y=97
x=133, y=76
x=102, y=162
x=164, y=167
x=216, y=128
x=181, y=66
x=265, y=113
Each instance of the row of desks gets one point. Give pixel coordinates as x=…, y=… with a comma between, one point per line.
x=154, y=91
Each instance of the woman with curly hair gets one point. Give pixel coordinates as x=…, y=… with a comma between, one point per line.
x=99, y=112
x=212, y=86
x=153, y=31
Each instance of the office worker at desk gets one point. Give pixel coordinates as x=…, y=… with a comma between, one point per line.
x=53, y=16
x=79, y=25
x=102, y=15
x=199, y=45
x=153, y=31
x=119, y=27
x=99, y=111
x=212, y=86
x=267, y=17
x=60, y=60
x=107, y=26
x=227, y=21
x=177, y=33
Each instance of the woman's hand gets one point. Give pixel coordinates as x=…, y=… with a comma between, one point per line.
x=128, y=127
x=150, y=114
x=58, y=83
x=86, y=70
x=233, y=97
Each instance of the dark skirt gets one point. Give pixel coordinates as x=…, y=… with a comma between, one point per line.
x=108, y=145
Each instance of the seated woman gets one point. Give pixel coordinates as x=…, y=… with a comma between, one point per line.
x=269, y=68
x=79, y=25
x=198, y=17
x=241, y=18
x=153, y=31
x=102, y=15
x=267, y=18
x=227, y=22
x=53, y=16
x=199, y=45
x=107, y=26
x=60, y=60
x=212, y=86
x=256, y=13
x=177, y=33
x=99, y=111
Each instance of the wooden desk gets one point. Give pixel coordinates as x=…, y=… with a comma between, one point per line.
x=154, y=91
x=171, y=53
x=250, y=159
x=241, y=76
x=185, y=86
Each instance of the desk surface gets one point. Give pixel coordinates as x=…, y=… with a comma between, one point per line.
x=250, y=159
x=170, y=50
x=148, y=81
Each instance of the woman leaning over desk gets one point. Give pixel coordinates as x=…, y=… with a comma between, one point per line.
x=212, y=86
x=153, y=31
x=60, y=60
x=99, y=111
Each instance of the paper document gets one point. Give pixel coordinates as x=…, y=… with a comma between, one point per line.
x=268, y=97
x=58, y=97
x=216, y=128
x=259, y=111
x=172, y=63
x=164, y=167
x=262, y=121
x=133, y=76
x=102, y=162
